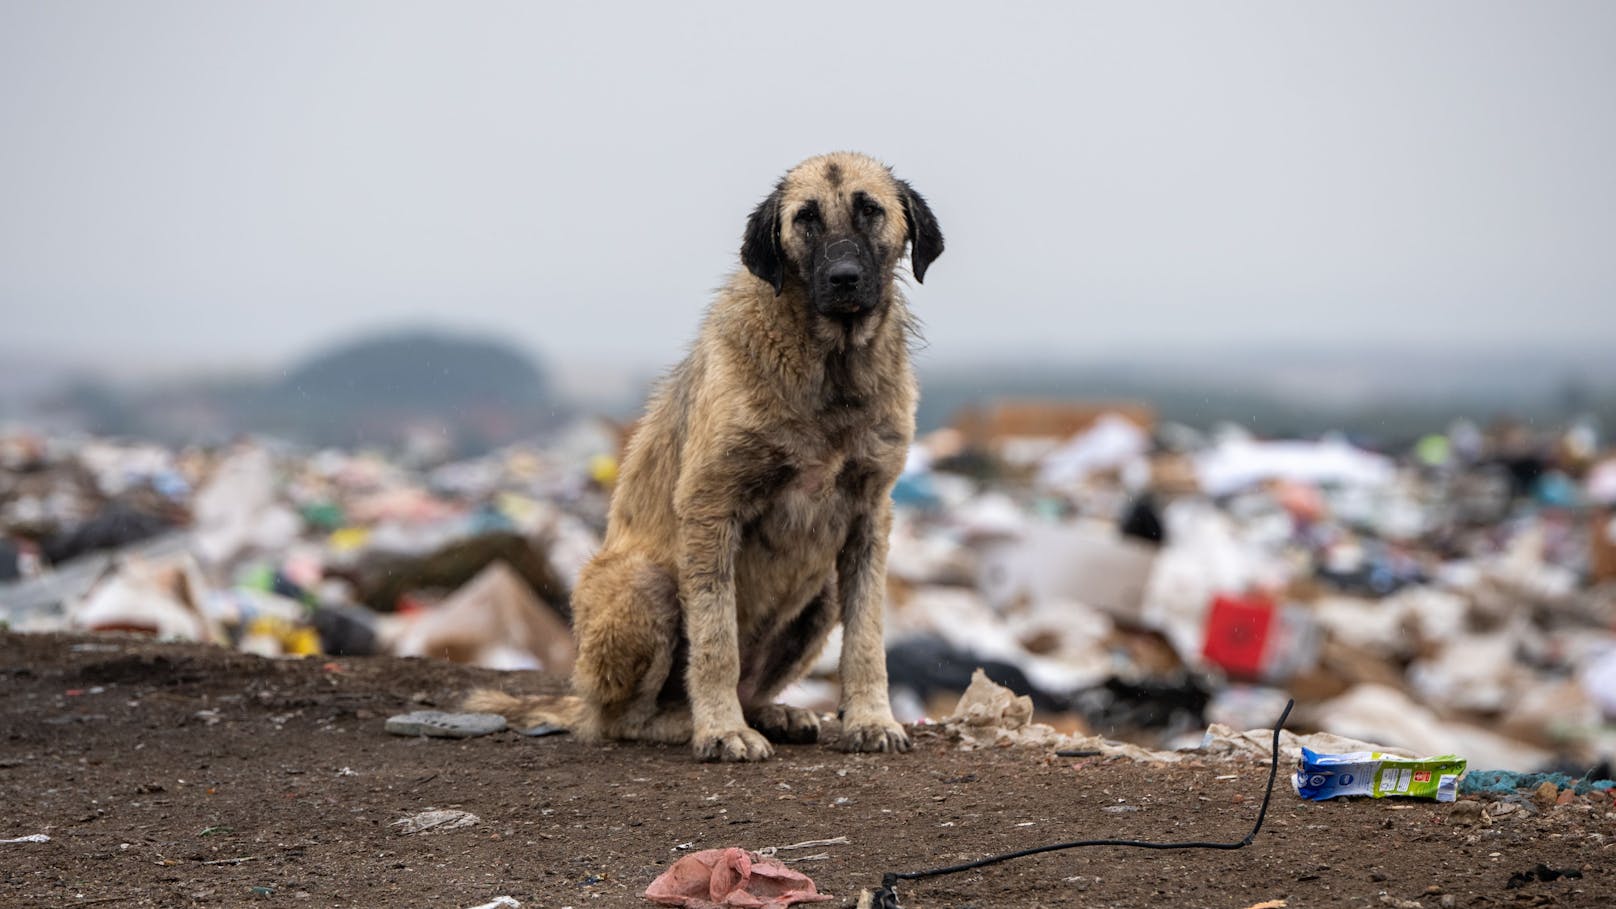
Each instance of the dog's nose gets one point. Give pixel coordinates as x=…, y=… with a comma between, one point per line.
x=844, y=275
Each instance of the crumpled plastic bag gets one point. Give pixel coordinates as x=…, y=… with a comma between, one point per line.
x=733, y=877
x=990, y=715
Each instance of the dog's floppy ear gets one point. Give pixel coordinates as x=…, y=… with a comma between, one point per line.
x=925, y=236
x=760, y=250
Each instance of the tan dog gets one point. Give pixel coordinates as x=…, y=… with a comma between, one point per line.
x=753, y=505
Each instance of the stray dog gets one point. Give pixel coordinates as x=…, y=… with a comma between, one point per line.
x=753, y=504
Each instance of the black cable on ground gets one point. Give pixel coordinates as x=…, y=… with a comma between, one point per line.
x=887, y=897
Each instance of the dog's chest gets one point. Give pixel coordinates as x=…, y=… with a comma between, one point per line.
x=810, y=512
x=799, y=529
x=816, y=479
x=788, y=551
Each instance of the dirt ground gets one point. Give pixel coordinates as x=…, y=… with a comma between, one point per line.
x=180, y=775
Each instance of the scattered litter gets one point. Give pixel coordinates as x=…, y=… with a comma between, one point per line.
x=1269, y=904
x=439, y=724
x=494, y=620
x=1505, y=782
x=732, y=877
x=1375, y=710
x=30, y=838
x=436, y=820
x=990, y=715
x=769, y=851
x=1377, y=775
x=157, y=597
x=1239, y=463
x=543, y=729
x=499, y=902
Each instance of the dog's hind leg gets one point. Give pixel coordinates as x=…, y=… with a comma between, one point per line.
x=627, y=620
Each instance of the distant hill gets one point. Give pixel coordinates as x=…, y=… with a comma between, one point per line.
x=437, y=392
x=476, y=391
x=423, y=370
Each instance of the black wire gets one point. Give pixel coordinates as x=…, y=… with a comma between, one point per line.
x=887, y=898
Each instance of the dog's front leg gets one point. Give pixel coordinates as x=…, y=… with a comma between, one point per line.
x=707, y=588
x=861, y=568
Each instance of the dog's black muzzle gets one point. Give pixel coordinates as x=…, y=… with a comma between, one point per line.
x=844, y=280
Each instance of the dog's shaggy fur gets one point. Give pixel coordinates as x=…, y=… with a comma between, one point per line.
x=753, y=505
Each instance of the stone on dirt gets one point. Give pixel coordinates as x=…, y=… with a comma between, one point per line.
x=439, y=724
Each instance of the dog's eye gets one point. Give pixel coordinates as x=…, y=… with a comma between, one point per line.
x=806, y=215
x=870, y=210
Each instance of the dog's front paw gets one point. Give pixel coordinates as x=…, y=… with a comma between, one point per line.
x=732, y=745
x=878, y=735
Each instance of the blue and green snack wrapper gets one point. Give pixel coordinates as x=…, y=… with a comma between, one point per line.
x=1377, y=775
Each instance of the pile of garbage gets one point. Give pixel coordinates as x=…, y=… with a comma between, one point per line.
x=1141, y=582
x=1136, y=582
x=284, y=552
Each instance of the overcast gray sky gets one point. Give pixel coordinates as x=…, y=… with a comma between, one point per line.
x=235, y=183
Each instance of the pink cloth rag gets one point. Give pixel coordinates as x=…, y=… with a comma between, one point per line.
x=725, y=878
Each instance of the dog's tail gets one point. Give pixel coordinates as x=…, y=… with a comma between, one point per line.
x=563, y=710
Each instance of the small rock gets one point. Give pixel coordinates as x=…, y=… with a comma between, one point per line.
x=1546, y=794
x=1465, y=813
x=1500, y=809
x=443, y=725
x=1566, y=797
x=1448, y=901
x=1378, y=877
x=436, y=820
x=1598, y=796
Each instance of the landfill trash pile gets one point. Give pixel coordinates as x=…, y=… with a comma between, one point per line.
x=1135, y=582
x=283, y=552
x=1140, y=582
